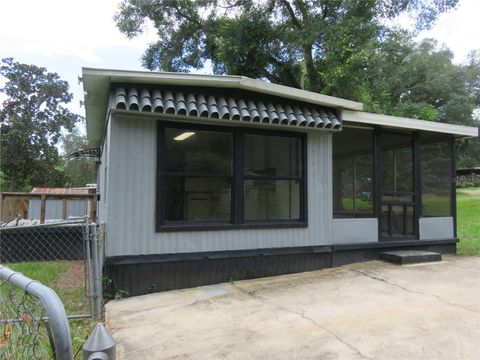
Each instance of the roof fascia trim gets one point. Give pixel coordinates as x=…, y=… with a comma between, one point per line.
x=407, y=123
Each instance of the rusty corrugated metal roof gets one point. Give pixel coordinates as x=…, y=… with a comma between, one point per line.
x=64, y=191
x=227, y=108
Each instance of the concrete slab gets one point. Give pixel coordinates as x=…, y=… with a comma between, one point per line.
x=371, y=310
x=403, y=257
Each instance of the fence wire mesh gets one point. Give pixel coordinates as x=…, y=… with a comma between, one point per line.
x=24, y=329
x=49, y=242
x=68, y=258
x=55, y=255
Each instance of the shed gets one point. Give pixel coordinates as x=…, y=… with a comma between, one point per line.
x=205, y=178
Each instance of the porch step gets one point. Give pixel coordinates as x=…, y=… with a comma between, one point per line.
x=403, y=257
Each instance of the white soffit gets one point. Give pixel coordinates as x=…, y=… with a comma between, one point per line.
x=407, y=123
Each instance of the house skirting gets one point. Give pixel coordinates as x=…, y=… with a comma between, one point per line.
x=143, y=274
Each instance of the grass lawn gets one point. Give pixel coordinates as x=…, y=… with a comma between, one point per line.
x=468, y=221
x=67, y=279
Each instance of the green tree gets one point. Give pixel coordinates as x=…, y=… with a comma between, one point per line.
x=339, y=48
x=31, y=120
x=79, y=171
x=420, y=80
x=319, y=45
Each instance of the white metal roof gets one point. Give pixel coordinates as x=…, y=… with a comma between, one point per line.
x=97, y=83
x=362, y=117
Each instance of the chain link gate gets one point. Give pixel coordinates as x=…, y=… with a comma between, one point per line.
x=74, y=249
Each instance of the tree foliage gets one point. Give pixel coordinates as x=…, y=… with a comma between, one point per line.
x=314, y=44
x=31, y=120
x=341, y=48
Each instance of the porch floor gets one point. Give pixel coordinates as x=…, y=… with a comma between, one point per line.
x=372, y=310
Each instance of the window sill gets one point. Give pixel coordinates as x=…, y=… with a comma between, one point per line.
x=219, y=226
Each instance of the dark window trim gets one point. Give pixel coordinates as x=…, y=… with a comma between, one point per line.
x=200, y=175
x=417, y=182
x=237, y=178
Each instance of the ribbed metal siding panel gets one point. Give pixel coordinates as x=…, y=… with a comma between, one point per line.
x=77, y=208
x=131, y=200
x=34, y=209
x=53, y=209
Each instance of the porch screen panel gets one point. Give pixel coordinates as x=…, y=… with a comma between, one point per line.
x=397, y=164
x=353, y=173
x=436, y=171
x=198, y=169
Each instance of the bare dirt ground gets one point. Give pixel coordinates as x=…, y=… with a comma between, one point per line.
x=73, y=277
x=474, y=192
x=371, y=310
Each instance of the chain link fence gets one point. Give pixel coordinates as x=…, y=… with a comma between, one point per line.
x=68, y=258
x=24, y=334
x=33, y=321
x=49, y=242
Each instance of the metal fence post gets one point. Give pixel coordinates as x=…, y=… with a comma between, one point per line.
x=99, y=345
x=97, y=295
x=89, y=267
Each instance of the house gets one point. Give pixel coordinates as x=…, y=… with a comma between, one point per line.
x=203, y=179
x=471, y=174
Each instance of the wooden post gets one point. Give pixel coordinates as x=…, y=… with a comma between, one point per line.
x=93, y=208
x=65, y=207
x=43, y=201
x=1, y=207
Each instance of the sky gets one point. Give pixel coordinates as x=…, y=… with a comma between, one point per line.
x=66, y=35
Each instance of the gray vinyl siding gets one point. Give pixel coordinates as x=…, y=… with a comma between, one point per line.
x=131, y=200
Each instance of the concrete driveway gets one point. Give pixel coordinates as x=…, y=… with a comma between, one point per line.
x=371, y=310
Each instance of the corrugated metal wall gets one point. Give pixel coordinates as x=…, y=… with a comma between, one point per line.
x=53, y=209
x=34, y=209
x=131, y=200
x=77, y=208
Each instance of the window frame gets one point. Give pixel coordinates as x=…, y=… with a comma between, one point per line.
x=238, y=178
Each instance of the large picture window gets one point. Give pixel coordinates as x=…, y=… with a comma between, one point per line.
x=221, y=177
